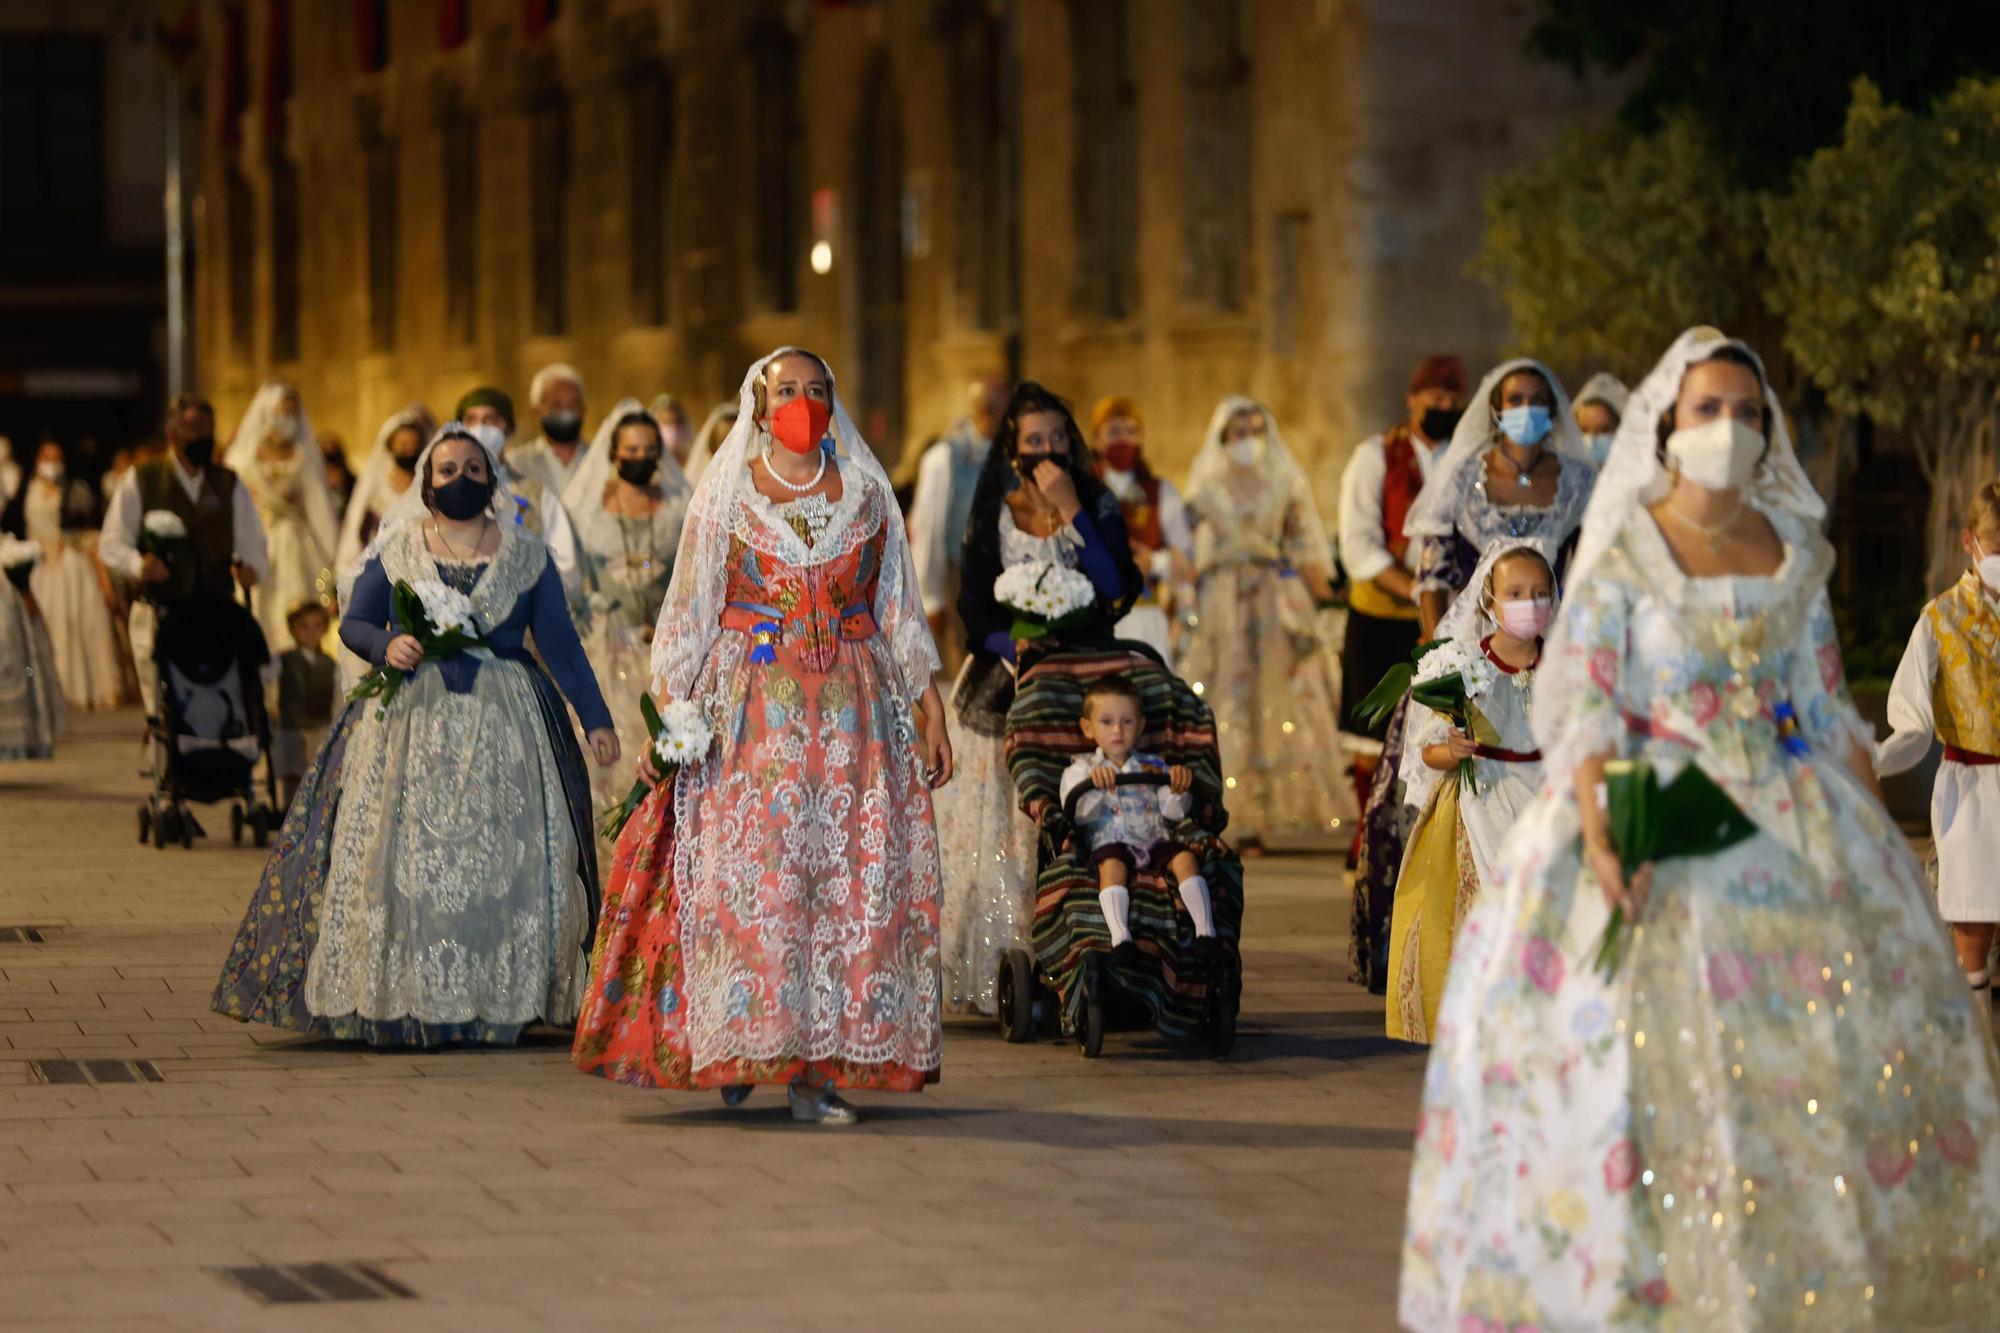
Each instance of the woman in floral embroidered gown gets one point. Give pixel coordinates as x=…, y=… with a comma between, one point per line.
x=627, y=502
x=435, y=879
x=771, y=915
x=1256, y=653
x=1783, y=1107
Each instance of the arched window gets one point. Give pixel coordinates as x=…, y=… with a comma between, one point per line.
x=460, y=211
x=548, y=216
x=651, y=101
x=1105, y=130
x=1215, y=176
x=978, y=265
x=777, y=155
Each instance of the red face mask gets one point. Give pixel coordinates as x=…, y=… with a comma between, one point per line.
x=1121, y=457
x=801, y=424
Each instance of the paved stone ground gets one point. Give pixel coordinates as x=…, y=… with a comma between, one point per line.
x=1156, y=1187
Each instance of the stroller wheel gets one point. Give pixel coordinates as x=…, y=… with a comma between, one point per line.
x=186, y=823
x=1225, y=998
x=260, y=826
x=1017, y=995
x=145, y=822
x=162, y=817
x=236, y=825
x=1090, y=1028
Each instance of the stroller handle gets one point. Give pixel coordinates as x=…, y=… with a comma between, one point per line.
x=1150, y=778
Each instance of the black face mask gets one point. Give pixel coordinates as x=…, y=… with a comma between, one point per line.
x=199, y=451
x=462, y=496
x=1027, y=463
x=1440, y=422
x=407, y=462
x=638, y=471
x=562, y=427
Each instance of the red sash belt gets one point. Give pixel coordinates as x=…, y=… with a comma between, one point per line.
x=1972, y=757
x=856, y=622
x=1494, y=752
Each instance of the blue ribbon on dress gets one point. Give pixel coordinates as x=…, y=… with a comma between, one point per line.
x=764, y=635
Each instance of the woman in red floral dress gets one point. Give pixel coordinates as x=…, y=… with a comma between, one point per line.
x=772, y=912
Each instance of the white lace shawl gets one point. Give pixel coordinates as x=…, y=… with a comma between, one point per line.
x=728, y=505
x=1633, y=479
x=315, y=494
x=1467, y=623
x=1478, y=430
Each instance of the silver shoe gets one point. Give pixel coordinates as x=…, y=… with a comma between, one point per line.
x=735, y=1094
x=822, y=1106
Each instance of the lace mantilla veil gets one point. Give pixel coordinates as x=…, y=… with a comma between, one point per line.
x=1282, y=474
x=315, y=492
x=1435, y=511
x=1634, y=478
x=690, y=618
x=374, y=481
x=1467, y=622
x=585, y=490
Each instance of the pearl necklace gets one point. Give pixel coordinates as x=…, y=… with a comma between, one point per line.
x=778, y=477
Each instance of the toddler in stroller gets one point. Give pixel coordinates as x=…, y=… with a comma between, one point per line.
x=1181, y=974
x=1120, y=800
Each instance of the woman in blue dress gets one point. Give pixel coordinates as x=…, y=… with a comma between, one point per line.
x=436, y=879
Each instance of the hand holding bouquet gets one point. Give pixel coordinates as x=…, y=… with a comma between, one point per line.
x=1044, y=596
x=681, y=737
x=1444, y=676
x=439, y=617
x=1690, y=816
x=18, y=559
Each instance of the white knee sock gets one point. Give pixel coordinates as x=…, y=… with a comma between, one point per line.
x=1117, y=904
x=1194, y=893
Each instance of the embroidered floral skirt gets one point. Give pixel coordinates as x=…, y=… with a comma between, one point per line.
x=1782, y=1113
x=772, y=913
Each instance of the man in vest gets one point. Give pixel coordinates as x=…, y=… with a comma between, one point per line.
x=225, y=538
x=555, y=396
x=1156, y=521
x=941, y=509
x=1376, y=491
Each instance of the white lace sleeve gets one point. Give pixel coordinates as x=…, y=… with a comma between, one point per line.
x=691, y=616
x=1825, y=710
x=1424, y=727
x=899, y=604
x=1579, y=709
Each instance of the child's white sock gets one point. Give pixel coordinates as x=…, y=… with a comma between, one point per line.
x=1117, y=904
x=1980, y=979
x=1194, y=893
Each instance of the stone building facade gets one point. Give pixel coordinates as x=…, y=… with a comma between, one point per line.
x=400, y=199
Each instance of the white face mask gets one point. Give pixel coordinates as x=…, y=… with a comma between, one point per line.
x=1988, y=567
x=49, y=471
x=285, y=426
x=1719, y=455
x=1599, y=446
x=1245, y=451
x=489, y=435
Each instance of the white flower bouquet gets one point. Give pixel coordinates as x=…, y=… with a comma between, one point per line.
x=1044, y=597
x=161, y=533
x=439, y=617
x=17, y=559
x=681, y=736
x=1444, y=676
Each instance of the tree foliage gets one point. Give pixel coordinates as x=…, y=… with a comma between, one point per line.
x=1769, y=80
x=1885, y=268
x=1607, y=246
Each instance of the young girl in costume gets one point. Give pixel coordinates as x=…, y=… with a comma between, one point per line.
x=1456, y=844
x=1948, y=686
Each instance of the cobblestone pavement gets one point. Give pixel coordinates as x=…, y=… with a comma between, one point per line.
x=1155, y=1187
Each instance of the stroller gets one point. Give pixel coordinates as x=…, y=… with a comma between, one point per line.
x=1069, y=974
x=212, y=727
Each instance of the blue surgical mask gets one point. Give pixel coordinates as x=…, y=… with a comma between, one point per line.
x=1600, y=446
x=1525, y=425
